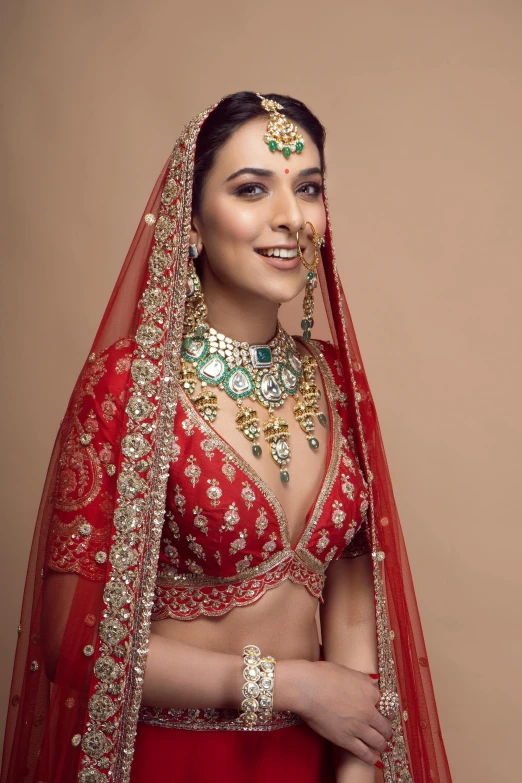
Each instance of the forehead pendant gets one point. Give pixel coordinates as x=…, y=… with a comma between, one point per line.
x=281, y=134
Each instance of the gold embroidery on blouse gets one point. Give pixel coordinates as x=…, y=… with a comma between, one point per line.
x=247, y=492
x=192, y=471
x=200, y=521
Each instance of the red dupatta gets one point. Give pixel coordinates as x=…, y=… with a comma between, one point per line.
x=82, y=644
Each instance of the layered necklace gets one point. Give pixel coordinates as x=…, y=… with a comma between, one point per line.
x=267, y=374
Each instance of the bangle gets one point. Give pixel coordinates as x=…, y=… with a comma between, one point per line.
x=258, y=690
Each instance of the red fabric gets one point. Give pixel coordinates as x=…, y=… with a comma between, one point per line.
x=83, y=640
x=170, y=755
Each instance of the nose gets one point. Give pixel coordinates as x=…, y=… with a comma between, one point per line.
x=287, y=215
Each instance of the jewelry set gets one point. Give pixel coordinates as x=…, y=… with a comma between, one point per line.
x=267, y=374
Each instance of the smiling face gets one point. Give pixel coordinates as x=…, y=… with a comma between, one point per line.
x=253, y=203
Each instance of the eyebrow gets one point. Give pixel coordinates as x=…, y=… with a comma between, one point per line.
x=267, y=173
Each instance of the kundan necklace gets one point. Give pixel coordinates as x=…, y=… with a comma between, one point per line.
x=267, y=374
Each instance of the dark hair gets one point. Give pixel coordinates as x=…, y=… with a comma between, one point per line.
x=230, y=114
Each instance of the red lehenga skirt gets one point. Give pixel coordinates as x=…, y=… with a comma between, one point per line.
x=197, y=746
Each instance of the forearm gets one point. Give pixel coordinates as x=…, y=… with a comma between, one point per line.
x=349, y=638
x=348, y=616
x=350, y=769
x=179, y=675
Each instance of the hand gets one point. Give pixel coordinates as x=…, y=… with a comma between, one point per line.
x=338, y=703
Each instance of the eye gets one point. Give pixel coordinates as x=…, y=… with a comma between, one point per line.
x=250, y=190
x=310, y=189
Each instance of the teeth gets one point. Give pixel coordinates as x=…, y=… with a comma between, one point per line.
x=279, y=252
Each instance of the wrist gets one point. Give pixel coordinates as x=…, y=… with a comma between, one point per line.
x=290, y=678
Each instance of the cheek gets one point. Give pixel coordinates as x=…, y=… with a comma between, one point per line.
x=235, y=223
x=320, y=226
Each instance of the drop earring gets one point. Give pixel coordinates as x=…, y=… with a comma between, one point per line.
x=193, y=251
x=311, y=281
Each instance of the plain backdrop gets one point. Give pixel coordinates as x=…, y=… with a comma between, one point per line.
x=422, y=102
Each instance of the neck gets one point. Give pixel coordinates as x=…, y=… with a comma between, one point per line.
x=247, y=319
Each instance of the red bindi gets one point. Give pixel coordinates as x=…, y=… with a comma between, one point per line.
x=287, y=171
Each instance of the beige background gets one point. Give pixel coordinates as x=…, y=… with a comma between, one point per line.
x=422, y=104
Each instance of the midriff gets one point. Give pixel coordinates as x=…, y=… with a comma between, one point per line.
x=282, y=623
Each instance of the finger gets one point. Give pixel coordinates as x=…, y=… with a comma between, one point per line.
x=381, y=724
x=361, y=750
x=372, y=738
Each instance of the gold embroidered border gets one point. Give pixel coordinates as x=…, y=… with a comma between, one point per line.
x=212, y=720
x=190, y=602
x=121, y=648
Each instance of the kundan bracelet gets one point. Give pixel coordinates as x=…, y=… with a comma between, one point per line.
x=258, y=690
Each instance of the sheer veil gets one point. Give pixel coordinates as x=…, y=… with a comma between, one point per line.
x=82, y=643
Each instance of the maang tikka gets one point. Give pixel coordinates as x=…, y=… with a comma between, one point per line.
x=281, y=134
x=268, y=374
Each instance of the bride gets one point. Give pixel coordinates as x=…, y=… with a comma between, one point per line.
x=218, y=587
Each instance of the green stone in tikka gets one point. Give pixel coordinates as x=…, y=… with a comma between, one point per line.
x=299, y=146
x=286, y=152
x=272, y=145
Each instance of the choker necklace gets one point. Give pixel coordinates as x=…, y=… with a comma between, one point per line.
x=267, y=374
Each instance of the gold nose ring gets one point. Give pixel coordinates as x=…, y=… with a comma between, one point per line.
x=316, y=239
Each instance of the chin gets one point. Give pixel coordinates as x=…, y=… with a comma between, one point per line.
x=281, y=294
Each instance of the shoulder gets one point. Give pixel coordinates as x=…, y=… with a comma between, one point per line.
x=330, y=355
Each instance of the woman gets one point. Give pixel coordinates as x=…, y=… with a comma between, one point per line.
x=209, y=472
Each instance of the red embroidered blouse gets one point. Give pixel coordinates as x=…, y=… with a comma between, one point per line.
x=225, y=539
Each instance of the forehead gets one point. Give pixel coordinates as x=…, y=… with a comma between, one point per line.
x=246, y=148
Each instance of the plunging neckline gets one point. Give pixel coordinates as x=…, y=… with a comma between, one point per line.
x=331, y=465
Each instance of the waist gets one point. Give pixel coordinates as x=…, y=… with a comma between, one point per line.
x=289, y=606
